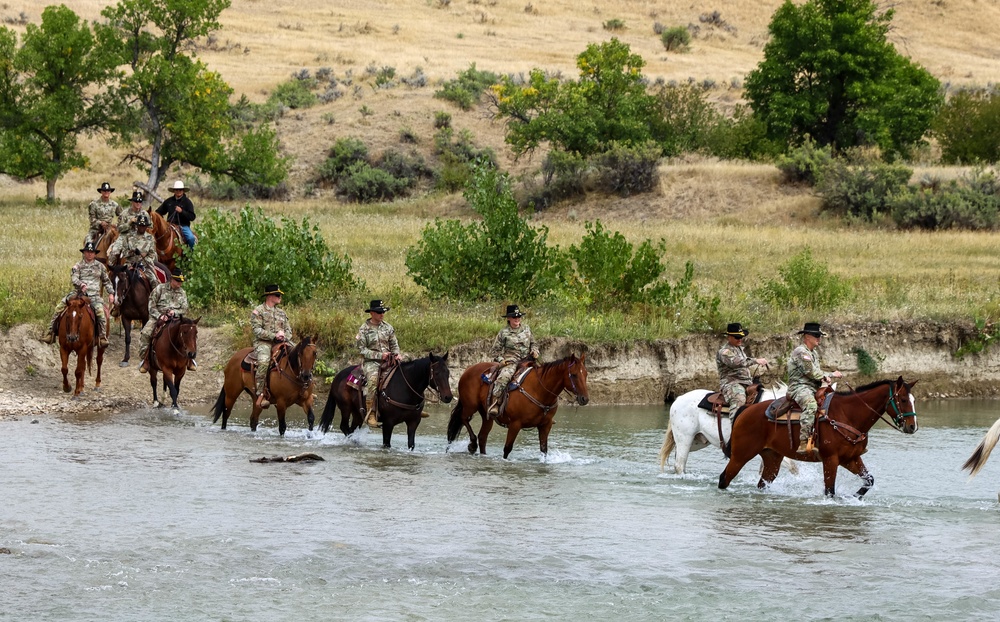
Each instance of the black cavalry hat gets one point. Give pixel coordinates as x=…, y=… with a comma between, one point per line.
x=136, y=197
x=513, y=311
x=376, y=306
x=272, y=290
x=105, y=187
x=89, y=246
x=177, y=275
x=736, y=330
x=812, y=328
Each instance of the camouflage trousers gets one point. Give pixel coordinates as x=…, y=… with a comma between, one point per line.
x=370, y=368
x=145, y=335
x=806, y=398
x=735, y=395
x=507, y=369
x=94, y=234
x=263, y=350
x=96, y=303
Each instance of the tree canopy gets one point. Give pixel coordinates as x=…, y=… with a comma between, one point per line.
x=829, y=72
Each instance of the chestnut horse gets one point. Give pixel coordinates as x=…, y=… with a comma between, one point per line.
x=402, y=401
x=170, y=350
x=290, y=381
x=843, y=434
x=78, y=333
x=532, y=404
x=168, y=240
x=132, y=298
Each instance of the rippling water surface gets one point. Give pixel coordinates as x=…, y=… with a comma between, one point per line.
x=151, y=516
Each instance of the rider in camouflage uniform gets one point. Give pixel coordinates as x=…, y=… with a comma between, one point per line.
x=128, y=216
x=167, y=301
x=376, y=340
x=734, y=368
x=805, y=376
x=270, y=327
x=513, y=343
x=102, y=212
x=87, y=277
x=137, y=248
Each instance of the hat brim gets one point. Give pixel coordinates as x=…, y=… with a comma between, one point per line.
x=177, y=277
x=812, y=332
x=105, y=189
x=514, y=315
x=743, y=334
x=377, y=310
x=274, y=293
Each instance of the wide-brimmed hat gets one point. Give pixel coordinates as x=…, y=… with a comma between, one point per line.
x=136, y=197
x=736, y=329
x=89, y=246
x=142, y=220
x=376, y=306
x=178, y=185
x=513, y=311
x=812, y=328
x=105, y=187
x=272, y=290
x=177, y=275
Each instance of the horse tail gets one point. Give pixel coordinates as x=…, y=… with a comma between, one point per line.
x=668, y=445
x=978, y=458
x=329, y=411
x=220, y=405
x=455, y=423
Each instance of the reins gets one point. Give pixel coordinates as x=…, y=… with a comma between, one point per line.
x=420, y=404
x=546, y=408
x=896, y=423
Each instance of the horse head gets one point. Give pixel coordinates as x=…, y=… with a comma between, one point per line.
x=76, y=309
x=187, y=337
x=902, y=406
x=302, y=359
x=576, y=378
x=439, y=380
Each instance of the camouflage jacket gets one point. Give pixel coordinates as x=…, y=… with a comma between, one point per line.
x=103, y=212
x=266, y=321
x=133, y=248
x=93, y=274
x=374, y=341
x=513, y=344
x=165, y=299
x=804, y=369
x=126, y=219
x=733, y=365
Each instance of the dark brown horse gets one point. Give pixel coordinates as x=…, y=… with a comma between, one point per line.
x=290, y=381
x=132, y=299
x=402, y=401
x=78, y=333
x=169, y=352
x=168, y=240
x=533, y=404
x=843, y=434
x=104, y=242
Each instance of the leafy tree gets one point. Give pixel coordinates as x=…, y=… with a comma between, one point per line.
x=179, y=110
x=829, y=72
x=46, y=96
x=608, y=104
x=968, y=128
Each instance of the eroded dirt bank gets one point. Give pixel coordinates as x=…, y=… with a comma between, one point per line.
x=637, y=373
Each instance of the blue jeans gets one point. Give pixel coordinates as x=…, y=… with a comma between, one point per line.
x=188, y=236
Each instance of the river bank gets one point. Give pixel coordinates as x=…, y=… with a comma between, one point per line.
x=621, y=373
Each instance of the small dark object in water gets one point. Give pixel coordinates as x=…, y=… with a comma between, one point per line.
x=296, y=458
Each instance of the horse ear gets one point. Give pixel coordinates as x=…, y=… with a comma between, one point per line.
x=197, y=319
x=583, y=356
x=445, y=357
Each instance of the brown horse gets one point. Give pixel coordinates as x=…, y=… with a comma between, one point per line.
x=104, y=242
x=532, y=404
x=169, y=352
x=168, y=240
x=843, y=434
x=132, y=298
x=78, y=333
x=402, y=400
x=290, y=381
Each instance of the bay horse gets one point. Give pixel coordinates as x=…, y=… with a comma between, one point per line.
x=532, y=404
x=843, y=434
x=402, y=400
x=168, y=240
x=290, y=381
x=977, y=460
x=104, y=242
x=132, y=298
x=170, y=350
x=691, y=428
x=78, y=333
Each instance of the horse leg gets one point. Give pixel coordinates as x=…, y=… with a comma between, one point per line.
x=169, y=387
x=857, y=466
x=100, y=362
x=682, y=443
x=387, y=433
x=64, y=355
x=769, y=467
x=255, y=416
x=512, y=431
x=152, y=382
x=81, y=364
x=411, y=432
x=543, y=436
x=280, y=407
x=830, y=465
x=484, y=433
x=127, y=325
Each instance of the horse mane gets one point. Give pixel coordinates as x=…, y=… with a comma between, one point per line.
x=865, y=387
x=546, y=367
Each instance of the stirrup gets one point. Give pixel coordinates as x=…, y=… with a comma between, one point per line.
x=103, y=342
x=372, y=420
x=262, y=401
x=50, y=337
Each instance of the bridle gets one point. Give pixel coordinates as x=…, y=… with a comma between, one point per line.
x=572, y=390
x=431, y=382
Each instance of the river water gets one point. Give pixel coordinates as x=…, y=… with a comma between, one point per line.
x=154, y=516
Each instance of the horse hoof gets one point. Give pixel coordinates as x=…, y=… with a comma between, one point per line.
x=123, y=364
x=175, y=411
x=156, y=404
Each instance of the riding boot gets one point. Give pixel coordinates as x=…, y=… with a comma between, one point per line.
x=806, y=446
x=372, y=419
x=50, y=337
x=493, y=410
x=262, y=400
x=102, y=327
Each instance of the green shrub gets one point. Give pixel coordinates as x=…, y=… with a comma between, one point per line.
x=345, y=153
x=867, y=363
x=406, y=167
x=861, y=191
x=222, y=188
x=501, y=257
x=466, y=90
x=685, y=119
x=968, y=128
x=806, y=284
x=454, y=173
x=563, y=177
x=442, y=120
x=971, y=202
x=612, y=271
x=237, y=255
x=676, y=39
x=462, y=147
x=294, y=93
x=614, y=25
x=364, y=183
x=628, y=170
x=741, y=136
x=805, y=163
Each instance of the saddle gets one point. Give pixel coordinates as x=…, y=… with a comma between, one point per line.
x=157, y=331
x=786, y=411
x=716, y=403
x=356, y=379
x=489, y=377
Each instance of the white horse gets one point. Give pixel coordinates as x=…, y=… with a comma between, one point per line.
x=978, y=458
x=691, y=428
